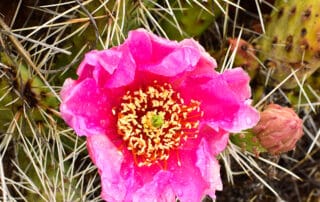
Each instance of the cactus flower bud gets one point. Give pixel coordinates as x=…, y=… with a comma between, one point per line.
x=279, y=129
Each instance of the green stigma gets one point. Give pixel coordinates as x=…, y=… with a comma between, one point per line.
x=157, y=121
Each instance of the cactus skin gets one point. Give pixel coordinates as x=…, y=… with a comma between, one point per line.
x=292, y=40
x=314, y=81
x=279, y=129
x=248, y=141
x=20, y=90
x=192, y=19
x=245, y=55
x=114, y=28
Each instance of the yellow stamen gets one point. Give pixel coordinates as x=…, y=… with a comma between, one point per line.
x=154, y=121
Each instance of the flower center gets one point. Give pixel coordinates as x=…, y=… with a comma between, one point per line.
x=154, y=121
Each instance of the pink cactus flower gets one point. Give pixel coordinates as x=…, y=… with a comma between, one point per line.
x=156, y=114
x=279, y=129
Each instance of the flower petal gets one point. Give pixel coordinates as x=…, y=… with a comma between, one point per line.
x=108, y=159
x=161, y=56
x=217, y=100
x=225, y=104
x=84, y=108
x=217, y=139
x=247, y=117
x=209, y=168
x=187, y=180
x=158, y=190
x=125, y=72
x=88, y=64
x=154, y=48
x=110, y=68
x=238, y=81
x=206, y=61
x=180, y=60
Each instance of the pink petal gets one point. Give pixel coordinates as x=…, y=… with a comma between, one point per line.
x=209, y=168
x=161, y=56
x=206, y=61
x=238, y=81
x=84, y=108
x=107, y=62
x=110, y=59
x=158, y=190
x=225, y=104
x=108, y=159
x=147, y=48
x=247, y=117
x=88, y=64
x=217, y=139
x=217, y=100
x=180, y=60
x=110, y=68
x=125, y=72
x=187, y=180
x=67, y=87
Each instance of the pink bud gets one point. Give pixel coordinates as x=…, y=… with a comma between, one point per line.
x=279, y=129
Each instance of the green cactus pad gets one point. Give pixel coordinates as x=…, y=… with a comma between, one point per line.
x=192, y=19
x=248, y=142
x=292, y=41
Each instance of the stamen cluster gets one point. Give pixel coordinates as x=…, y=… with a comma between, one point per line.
x=154, y=121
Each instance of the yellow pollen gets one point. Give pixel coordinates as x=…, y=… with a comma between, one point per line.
x=154, y=122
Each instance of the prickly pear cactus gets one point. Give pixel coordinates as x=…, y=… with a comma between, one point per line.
x=292, y=41
x=51, y=173
x=245, y=55
x=22, y=91
x=314, y=80
x=190, y=19
x=248, y=141
x=97, y=27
